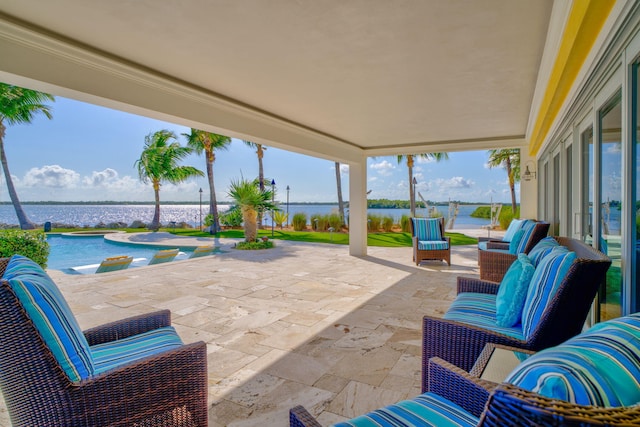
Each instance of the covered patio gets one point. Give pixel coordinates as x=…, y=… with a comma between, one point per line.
x=297, y=324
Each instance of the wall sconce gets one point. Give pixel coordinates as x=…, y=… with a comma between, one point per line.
x=529, y=171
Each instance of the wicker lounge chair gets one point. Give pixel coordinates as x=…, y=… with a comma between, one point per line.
x=592, y=393
x=494, y=261
x=202, y=251
x=503, y=243
x=560, y=317
x=429, y=241
x=114, y=264
x=165, y=255
x=155, y=385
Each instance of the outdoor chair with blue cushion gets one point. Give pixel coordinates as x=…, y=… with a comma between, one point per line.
x=593, y=379
x=494, y=243
x=429, y=241
x=165, y=255
x=494, y=262
x=553, y=308
x=134, y=371
x=114, y=264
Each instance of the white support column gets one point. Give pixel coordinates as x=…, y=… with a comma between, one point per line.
x=358, y=208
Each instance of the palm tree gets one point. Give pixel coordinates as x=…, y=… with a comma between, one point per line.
x=207, y=143
x=260, y=153
x=159, y=162
x=410, y=162
x=19, y=105
x=339, y=185
x=251, y=199
x=508, y=158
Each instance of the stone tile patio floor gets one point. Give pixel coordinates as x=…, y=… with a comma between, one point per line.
x=298, y=324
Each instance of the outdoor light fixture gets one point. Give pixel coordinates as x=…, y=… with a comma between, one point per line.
x=200, y=209
x=288, y=205
x=529, y=172
x=273, y=195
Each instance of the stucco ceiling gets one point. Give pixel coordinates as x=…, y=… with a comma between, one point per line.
x=375, y=74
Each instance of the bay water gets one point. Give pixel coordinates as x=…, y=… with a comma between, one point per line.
x=85, y=215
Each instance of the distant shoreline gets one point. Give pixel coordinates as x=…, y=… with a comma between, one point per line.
x=109, y=202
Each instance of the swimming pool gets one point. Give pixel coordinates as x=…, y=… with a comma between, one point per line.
x=83, y=254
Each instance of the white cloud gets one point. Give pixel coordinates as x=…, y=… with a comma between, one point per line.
x=422, y=160
x=51, y=176
x=454, y=182
x=383, y=168
x=372, y=178
x=344, y=169
x=100, y=178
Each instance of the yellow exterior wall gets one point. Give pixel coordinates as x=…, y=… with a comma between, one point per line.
x=583, y=26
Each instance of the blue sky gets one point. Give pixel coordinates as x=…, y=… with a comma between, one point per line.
x=87, y=153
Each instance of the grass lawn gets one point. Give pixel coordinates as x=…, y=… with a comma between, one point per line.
x=373, y=239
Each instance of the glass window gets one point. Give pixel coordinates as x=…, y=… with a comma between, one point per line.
x=610, y=182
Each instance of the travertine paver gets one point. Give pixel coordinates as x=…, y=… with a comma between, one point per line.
x=298, y=324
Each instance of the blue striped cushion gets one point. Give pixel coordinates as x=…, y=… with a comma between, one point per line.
x=541, y=249
x=51, y=315
x=115, y=353
x=544, y=284
x=515, y=242
x=427, y=228
x=514, y=226
x=432, y=245
x=426, y=410
x=527, y=231
x=600, y=367
x=479, y=310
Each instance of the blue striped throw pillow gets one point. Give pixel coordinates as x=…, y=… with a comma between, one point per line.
x=543, y=248
x=600, y=367
x=544, y=284
x=515, y=242
x=527, y=231
x=514, y=226
x=51, y=315
x=428, y=410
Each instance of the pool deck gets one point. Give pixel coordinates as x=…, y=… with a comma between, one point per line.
x=300, y=323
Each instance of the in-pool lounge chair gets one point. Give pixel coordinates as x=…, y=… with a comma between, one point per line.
x=202, y=251
x=165, y=255
x=114, y=264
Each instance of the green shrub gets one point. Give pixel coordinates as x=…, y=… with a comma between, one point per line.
x=255, y=245
x=435, y=213
x=32, y=244
x=405, y=223
x=506, y=215
x=374, y=222
x=335, y=221
x=482, y=212
x=280, y=218
x=299, y=221
x=387, y=223
x=231, y=218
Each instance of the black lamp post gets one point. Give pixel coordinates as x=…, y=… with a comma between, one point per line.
x=288, y=205
x=273, y=198
x=200, y=209
x=413, y=207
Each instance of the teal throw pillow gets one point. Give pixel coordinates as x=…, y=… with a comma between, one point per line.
x=513, y=291
x=515, y=242
x=515, y=225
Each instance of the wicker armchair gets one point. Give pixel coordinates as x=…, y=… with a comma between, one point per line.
x=429, y=241
x=495, y=261
x=457, y=397
x=563, y=317
x=168, y=388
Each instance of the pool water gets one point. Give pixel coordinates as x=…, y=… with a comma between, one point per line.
x=82, y=255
